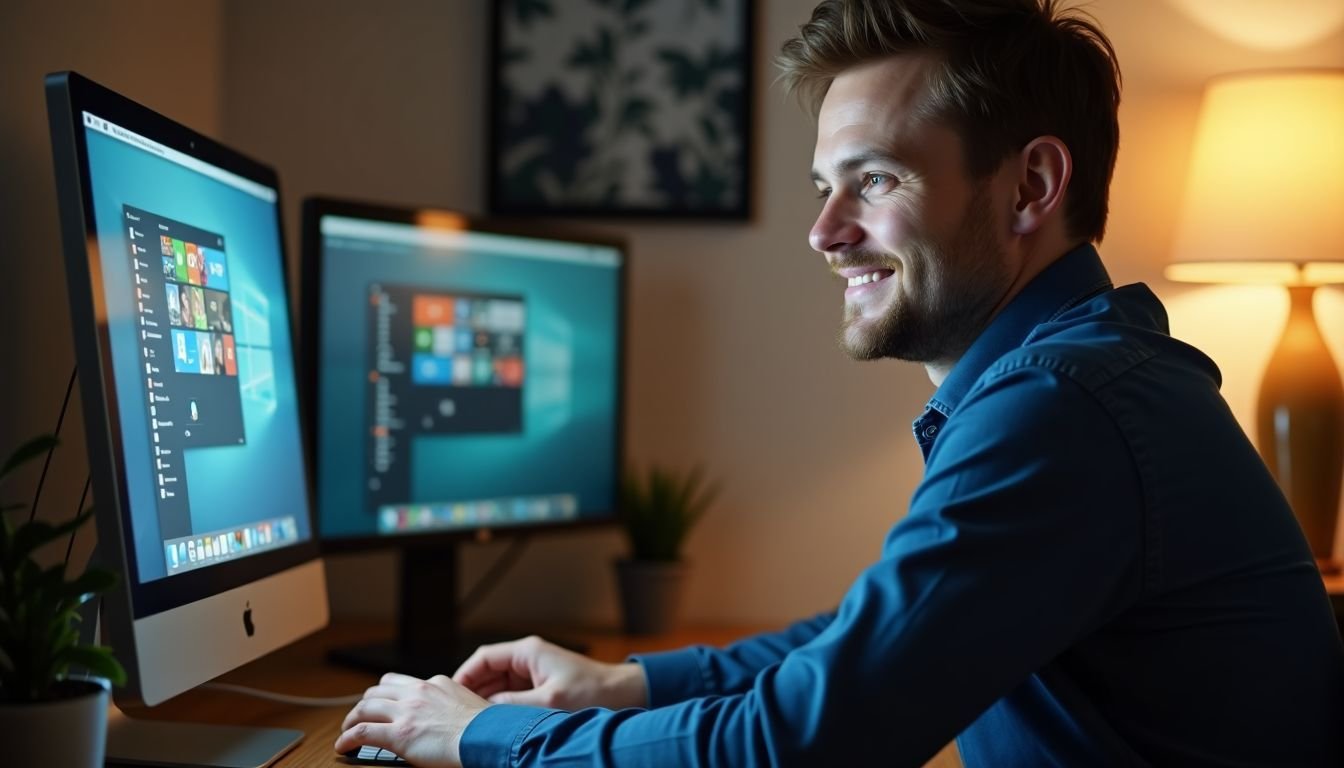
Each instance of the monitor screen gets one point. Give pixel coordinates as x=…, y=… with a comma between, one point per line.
x=467, y=377
x=197, y=323
x=181, y=320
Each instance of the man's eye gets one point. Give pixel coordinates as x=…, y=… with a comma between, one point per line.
x=877, y=180
x=824, y=193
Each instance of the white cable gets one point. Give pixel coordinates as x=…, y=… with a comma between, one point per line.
x=285, y=698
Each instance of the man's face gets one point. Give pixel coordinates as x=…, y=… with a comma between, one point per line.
x=915, y=239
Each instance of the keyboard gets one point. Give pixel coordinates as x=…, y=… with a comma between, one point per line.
x=371, y=755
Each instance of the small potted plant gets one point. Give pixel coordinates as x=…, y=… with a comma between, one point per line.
x=49, y=717
x=657, y=511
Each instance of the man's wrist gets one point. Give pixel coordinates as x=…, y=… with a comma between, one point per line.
x=626, y=686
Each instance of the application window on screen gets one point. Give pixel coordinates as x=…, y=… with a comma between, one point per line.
x=185, y=323
x=441, y=363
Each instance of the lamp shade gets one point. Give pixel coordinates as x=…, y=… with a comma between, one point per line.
x=1264, y=200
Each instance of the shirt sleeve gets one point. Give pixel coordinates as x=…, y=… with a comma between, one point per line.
x=1025, y=535
x=701, y=670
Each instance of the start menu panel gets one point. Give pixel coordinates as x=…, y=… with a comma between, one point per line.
x=439, y=364
x=185, y=320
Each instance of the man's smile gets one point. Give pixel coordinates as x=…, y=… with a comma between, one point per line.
x=860, y=280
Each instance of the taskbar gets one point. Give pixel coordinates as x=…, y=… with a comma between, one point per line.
x=456, y=515
x=191, y=552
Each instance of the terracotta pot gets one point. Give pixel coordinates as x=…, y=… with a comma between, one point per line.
x=70, y=730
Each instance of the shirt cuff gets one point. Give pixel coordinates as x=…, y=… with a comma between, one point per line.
x=673, y=676
x=493, y=736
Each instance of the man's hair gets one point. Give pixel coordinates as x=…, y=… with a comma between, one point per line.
x=1006, y=72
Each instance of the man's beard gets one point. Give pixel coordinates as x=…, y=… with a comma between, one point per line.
x=954, y=289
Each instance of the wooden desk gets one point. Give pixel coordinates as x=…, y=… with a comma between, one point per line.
x=300, y=669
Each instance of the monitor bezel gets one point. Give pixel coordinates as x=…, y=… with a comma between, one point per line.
x=69, y=95
x=310, y=302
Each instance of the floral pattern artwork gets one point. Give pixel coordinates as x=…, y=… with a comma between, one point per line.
x=608, y=107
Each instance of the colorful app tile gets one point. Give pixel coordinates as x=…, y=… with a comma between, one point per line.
x=462, y=370
x=180, y=257
x=230, y=357
x=424, y=339
x=428, y=369
x=217, y=312
x=464, y=340
x=216, y=271
x=194, y=265
x=509, y=371
x=218, y=341
x=165, y=245
x=504, y=316
x=482, y=372
x=186, y=355
x=207, y=347
x=462, y=311
x=444, y=340
x=431, y=310
x=198, y=318
x=169, y=268
x=184, y=298
x=174, y=304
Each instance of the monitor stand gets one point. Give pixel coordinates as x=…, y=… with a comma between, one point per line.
x=153, y=742
x=429, y=639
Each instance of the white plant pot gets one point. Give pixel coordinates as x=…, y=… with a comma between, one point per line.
x=68, y=731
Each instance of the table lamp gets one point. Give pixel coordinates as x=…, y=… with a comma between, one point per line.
x=1264, y=204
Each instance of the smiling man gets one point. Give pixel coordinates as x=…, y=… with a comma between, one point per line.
x=1096, y=569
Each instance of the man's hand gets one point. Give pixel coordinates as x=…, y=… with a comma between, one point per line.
x=421, y=720
x=535, y=672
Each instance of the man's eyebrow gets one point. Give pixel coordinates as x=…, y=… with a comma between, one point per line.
x=852, y=162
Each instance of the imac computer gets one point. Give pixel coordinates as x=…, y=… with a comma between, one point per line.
x=176, y=272
x=467, y=382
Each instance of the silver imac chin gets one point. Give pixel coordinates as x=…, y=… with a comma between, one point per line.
x=180, y=311
x=179, y=649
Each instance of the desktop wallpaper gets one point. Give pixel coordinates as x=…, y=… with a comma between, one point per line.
x=521, y=408
x=244, y=463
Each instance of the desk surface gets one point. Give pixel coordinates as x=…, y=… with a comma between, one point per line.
x=300, y=669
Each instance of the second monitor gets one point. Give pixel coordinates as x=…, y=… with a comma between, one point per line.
x=466, y=378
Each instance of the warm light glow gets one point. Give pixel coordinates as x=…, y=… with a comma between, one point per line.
x=1267, y=179
x=1267, y=24
x=440, y=220
x=1257, y=272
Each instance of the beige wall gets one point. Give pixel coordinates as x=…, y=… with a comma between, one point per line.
x=733, y=361
x=161, y=53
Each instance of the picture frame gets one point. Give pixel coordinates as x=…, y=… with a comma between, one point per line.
x=639, y=108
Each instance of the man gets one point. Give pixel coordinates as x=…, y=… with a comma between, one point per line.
x=1096, y=569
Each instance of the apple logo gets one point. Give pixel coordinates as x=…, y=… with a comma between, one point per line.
x=247, y=619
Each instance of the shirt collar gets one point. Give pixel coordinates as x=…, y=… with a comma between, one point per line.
x=1062, y=285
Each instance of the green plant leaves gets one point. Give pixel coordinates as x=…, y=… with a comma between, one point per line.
x=27, y=452
x=661, y=508
x=39, y=639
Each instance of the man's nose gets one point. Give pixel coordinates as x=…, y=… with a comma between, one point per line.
x=836, y=228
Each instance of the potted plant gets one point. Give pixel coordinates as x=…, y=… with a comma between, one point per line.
x=49, y=716
x=657, y=511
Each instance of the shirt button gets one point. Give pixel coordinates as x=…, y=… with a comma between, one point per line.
x=931, y=430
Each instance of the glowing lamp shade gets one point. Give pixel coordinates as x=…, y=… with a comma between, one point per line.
x=1265, y=204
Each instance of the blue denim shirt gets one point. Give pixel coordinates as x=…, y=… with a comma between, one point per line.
x=1096, y=570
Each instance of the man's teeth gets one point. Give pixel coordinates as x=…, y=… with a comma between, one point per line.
x=869, y=277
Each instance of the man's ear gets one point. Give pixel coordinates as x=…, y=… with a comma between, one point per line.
x=1044, y=169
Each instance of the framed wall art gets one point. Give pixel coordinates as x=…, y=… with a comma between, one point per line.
x=621, y=107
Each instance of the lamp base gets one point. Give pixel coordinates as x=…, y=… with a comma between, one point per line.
x=1300, y=415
